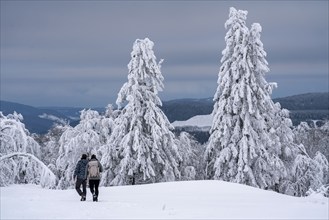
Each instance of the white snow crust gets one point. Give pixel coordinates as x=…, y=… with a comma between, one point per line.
x=173, y=200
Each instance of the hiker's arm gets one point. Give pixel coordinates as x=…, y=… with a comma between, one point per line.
x=76, y=171
x=100, y=167
x=86, y=170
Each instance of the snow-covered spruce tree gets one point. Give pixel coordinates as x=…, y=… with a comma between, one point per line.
x=308, y=174
x=49, y=144
x=244, y=145
x=142, y=147
x=32, y=171
x=192, y=165
x=303, y=172
x=19, y=154
x=107, y=124
x=314, y=138
x=15, y=137
x=86, y=138
x=308, y=168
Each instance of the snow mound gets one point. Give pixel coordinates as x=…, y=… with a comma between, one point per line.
x=197, y=121
x=174, y=200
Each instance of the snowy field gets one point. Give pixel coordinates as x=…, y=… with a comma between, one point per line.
x=175, y=200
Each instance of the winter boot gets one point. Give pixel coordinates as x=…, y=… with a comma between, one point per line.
x=83, y=198
x=94, y=198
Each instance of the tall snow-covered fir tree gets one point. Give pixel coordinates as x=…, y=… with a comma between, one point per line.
x=142, y=147
x=245, y=145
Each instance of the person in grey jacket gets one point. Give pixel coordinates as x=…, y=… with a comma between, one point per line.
x=94, y=169
x=80, y=175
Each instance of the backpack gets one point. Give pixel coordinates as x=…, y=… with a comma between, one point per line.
x=93, y=170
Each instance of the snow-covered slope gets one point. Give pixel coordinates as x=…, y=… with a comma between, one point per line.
x=175, y=200
x=197, y=121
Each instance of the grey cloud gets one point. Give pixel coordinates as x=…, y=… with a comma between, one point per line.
x=83, y=47
x=190, y=88
x=65, y=93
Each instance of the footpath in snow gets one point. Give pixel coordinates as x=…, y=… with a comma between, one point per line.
x=174, y=200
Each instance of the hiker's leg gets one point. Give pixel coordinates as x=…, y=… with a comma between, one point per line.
x=77, y=186
x=91, y=186
x=96, y=187
x=84, y=187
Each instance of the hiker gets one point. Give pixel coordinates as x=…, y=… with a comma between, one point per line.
x=80, y=176
x=94, y=170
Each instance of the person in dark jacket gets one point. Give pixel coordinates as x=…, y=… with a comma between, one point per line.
x=94, y=169
x=80, y=175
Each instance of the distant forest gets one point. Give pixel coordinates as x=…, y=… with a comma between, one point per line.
x=304, y=107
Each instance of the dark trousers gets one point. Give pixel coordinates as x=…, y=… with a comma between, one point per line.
x=93, y=184
x=78, y=184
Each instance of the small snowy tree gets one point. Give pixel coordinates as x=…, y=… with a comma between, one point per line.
x=35, y=171
x=308, y=174
x=142, y=146
x=314, y=138
x=15, y=137
x=19, y=154
x=86, y=138
x=323, y=165
x=49, y=143
x=245, y=145
x=192, y=165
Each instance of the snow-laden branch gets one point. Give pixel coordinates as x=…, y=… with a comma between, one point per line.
x=47, y=178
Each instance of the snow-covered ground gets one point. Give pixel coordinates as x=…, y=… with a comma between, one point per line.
x=175, y=200
x=198, y=121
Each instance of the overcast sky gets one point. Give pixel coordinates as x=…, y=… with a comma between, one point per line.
x=75, y=53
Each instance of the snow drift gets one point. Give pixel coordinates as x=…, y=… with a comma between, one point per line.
x=174, y=200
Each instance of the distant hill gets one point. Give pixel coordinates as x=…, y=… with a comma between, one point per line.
x=304, y=107
x=36, y=120
x=308, y=101
x=183, y=109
